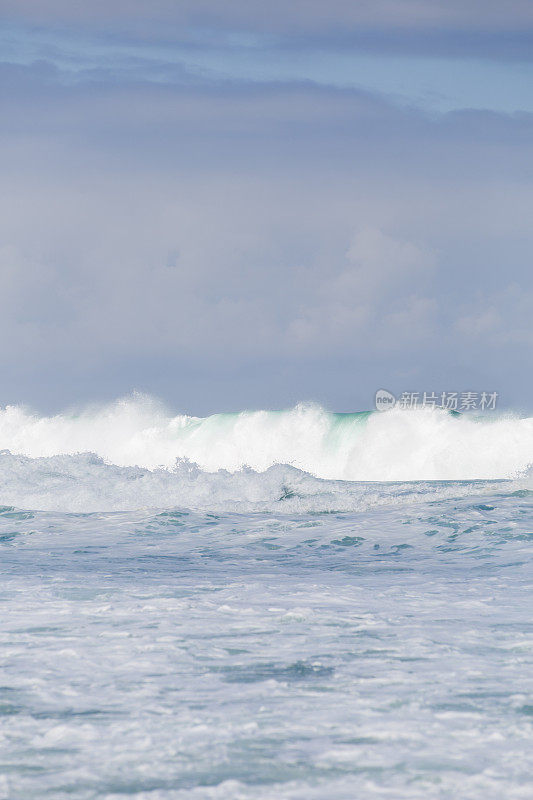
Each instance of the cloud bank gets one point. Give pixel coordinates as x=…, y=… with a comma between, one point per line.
x=227, y=244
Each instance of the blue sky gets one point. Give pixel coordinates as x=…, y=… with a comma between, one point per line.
x=232, y=208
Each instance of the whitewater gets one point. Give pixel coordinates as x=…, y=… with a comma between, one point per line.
x=265, y=605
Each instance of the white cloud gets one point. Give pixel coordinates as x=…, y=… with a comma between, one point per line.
x=270, y=226
x=370, y=300
x=500, y=319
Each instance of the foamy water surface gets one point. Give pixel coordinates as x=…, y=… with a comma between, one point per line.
x=265, y=605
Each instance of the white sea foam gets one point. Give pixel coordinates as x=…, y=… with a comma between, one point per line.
x=192, y=646
x=397, y=445
x=84, y=483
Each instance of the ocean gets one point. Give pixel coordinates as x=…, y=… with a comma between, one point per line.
x=283, y=605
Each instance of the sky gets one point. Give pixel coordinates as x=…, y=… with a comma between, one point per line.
x=247, y=205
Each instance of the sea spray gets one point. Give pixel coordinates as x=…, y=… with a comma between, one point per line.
x=399, y=445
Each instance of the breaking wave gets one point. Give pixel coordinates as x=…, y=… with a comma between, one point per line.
x=133, y=453
x=396, y=445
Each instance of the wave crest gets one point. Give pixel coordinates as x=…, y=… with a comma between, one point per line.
x=396, y=445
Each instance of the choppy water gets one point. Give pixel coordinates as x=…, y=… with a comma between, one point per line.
x=177, y=633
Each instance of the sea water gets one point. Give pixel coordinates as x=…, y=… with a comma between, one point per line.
x=265, y=605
